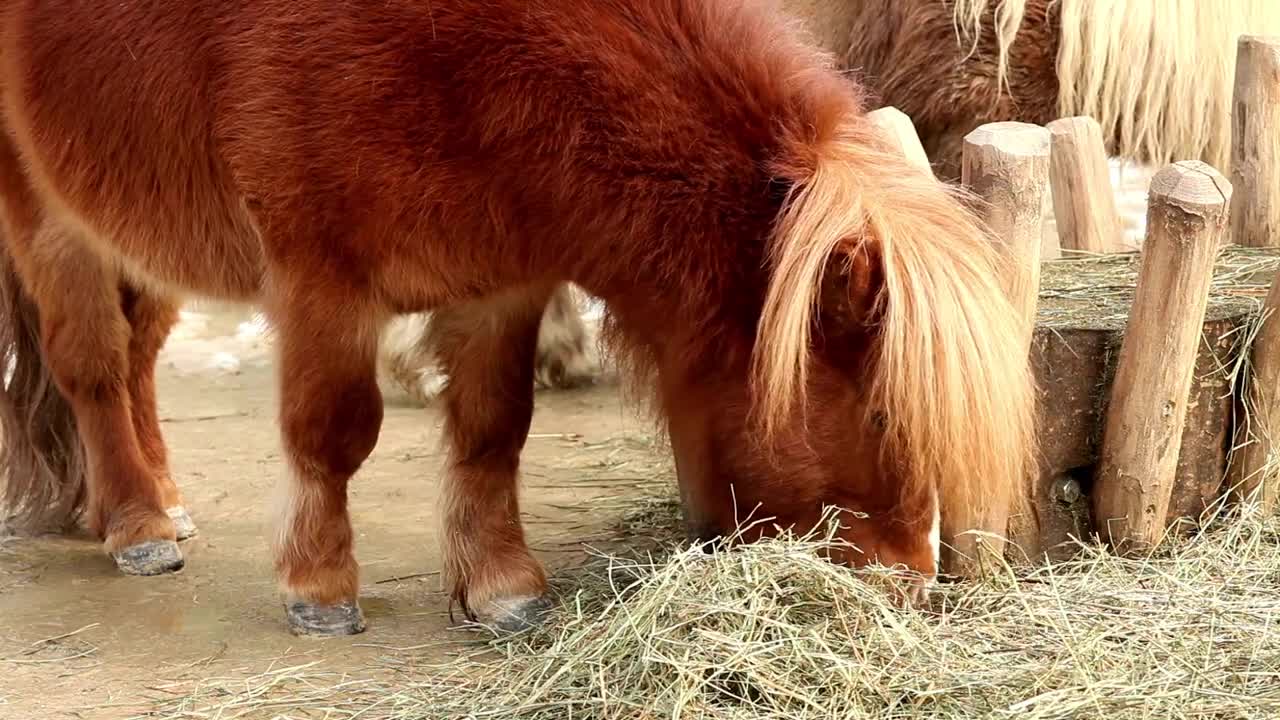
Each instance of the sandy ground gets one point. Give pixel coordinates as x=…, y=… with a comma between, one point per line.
x=131, y=640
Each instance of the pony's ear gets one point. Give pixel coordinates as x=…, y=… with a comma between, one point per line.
x=850, y=296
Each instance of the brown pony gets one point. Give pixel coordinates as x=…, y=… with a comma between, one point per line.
x=1157, y=74
x=407, y=355
x=822, y=325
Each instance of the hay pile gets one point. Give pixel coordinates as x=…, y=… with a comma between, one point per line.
x=771, y=631
x=1095, y=292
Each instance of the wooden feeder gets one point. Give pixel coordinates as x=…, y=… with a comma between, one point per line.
x=1083, y=313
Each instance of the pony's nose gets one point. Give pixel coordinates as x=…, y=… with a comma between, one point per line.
x=917, y=593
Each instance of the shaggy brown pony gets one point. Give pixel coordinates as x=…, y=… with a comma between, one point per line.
x=1157, y=74
x=822, y=324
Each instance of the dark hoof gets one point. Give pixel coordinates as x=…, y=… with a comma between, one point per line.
x=153, y=557
x=516, y=614
x=183, y=523
x=310, y=620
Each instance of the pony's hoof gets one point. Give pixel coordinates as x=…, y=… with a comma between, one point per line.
x=182, y=523
x=310, y=620
x=512, y=615
x=153, y=557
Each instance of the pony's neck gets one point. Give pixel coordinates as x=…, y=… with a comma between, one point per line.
x=688, y=322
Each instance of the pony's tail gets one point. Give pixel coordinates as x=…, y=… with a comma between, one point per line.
x=951, y=377
x=42, y=463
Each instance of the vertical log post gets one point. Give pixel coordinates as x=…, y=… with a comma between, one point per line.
x=1186, y=221
x=1255, y=221
x=1084, y=204
x=1006, y=165
x=1255, y=143
x=901, y=133
x=1254, y=475
x=1050, y=248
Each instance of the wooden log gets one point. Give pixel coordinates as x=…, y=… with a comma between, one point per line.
x=901, y=133
x=1186, y=220
x=1084, y=308
x=1007, y=166
x=1084, y=204
x=1050, y=248
x=1255, y=464
x=1255, y=143
x=1075, y=368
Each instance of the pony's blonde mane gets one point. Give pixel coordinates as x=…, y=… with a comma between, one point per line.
x=952, y=375
x=1157, y=74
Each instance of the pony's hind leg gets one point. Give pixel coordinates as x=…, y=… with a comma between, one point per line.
x=486, y=349
x=151, y=317
x=330, y=415
x=85, y=338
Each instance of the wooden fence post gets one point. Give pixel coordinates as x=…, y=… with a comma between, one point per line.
x=1253, y=475
x=1006, y=165
x=1255, y=221
x=901, y=133
x=1186, y=220
x=1255, y=143
x=1084, y=204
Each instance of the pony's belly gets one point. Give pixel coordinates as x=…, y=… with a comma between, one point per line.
x=223, y=266
x=185, y=234
x=222, y=261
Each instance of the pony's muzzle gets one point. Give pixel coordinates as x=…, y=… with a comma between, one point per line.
x=704, y=536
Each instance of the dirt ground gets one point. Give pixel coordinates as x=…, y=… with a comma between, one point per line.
x=78, y=640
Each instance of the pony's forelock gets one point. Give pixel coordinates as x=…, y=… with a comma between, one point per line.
x=951, y=374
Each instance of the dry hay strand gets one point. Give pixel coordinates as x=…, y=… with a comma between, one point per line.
x=771, y=630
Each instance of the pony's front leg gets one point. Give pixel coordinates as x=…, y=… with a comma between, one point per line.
x=486, y=349
x=330, y=415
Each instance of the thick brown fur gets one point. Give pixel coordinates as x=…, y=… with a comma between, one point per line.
x=954, y=65
x=1156, y=75
x=911, y=55
x=825, y=324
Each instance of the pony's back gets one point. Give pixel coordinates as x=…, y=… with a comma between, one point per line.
x=366, y=122
x=558, y=119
